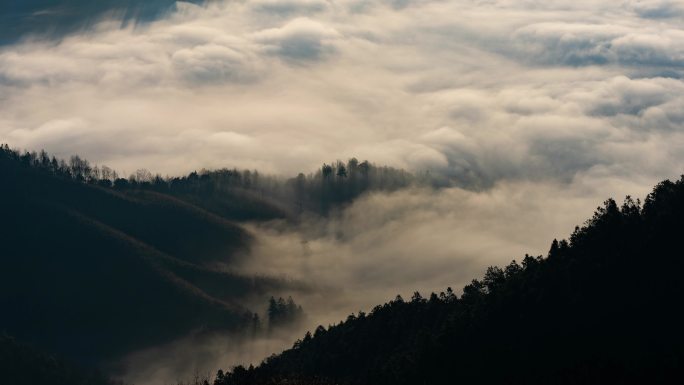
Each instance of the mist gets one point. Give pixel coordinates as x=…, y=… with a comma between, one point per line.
x=381, y=246
x=421, y=239
x=197, y=354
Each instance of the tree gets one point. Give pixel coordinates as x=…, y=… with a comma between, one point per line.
x=326, y=171
x=143, y=175
x=320, y=330
x=553, y=251
x=341, y=170
x=80, y=168
x=353, y=165
x=364, y=167
x=107, y=173
x=494, y=277
x=273, y=312
x=255, y=325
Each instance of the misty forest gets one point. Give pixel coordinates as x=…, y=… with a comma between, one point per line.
x=97, y=266
x=326, y=192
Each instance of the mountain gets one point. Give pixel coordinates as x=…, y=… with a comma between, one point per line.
x=24, y=365
x=603, y=306
x=92, y=273
x=249, y=195
x=95, y=266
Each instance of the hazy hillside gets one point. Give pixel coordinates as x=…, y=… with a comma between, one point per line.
x=602, y=307
x=249, y=195
x=92, y=272
x=95, y=266
x=24, y=365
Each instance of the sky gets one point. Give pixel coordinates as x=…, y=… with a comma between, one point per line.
x=482, y=91
x=536, y=111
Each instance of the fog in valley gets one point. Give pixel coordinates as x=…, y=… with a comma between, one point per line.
x=504, y=123
x=382, y=245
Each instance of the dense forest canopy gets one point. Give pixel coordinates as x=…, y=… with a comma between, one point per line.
x=240, y=194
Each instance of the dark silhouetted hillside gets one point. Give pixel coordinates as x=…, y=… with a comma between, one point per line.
x=92, y=272
x=604, y=307
x=249, y=195
x=95, y=266
x=23, y=365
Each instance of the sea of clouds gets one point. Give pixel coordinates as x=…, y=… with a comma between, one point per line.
x=482, y=91
x=535, y=110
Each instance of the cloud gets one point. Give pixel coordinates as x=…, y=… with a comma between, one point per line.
x=199, y=354
x=289, y=7
x=579, y=44
x=383, y=245
x=212, y=63
x=55, y=19
x=55, y=132
x=622, y=95
x=570, y=44
x=477, y=92
x=658, y=9
x=299, y=39
x=422, y=239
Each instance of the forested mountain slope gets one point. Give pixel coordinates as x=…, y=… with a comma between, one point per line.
x=91, y=272
x=23, y=365
x=95, y=265
x=603, y=307
x=249, y=195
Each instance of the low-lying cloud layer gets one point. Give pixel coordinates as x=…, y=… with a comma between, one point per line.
x=479, y=91
x=422, y=239
x=383, y=245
